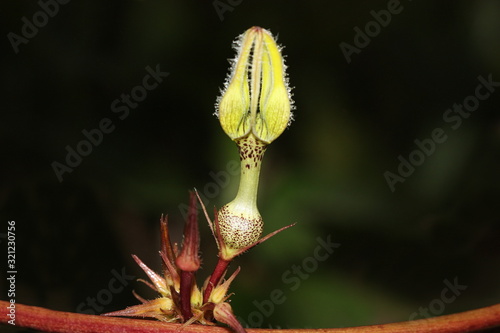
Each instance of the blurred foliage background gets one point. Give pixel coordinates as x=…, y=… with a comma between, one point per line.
x=326, y=172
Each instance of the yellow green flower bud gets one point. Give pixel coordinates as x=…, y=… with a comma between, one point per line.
x=254, y=109
x=256, y=98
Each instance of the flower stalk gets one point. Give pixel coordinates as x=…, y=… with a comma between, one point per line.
x=240, y=221
x=219, y=271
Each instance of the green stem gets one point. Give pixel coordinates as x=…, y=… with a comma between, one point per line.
x=251, y=154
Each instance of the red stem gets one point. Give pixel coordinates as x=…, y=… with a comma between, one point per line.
x=187, y=280
x=218, y=273
x=55, y=321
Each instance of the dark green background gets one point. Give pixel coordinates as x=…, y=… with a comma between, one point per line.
x=325, y=172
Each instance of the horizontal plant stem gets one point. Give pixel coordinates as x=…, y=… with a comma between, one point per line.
x=56, y=321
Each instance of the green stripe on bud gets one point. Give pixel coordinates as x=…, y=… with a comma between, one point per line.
x=257, y=98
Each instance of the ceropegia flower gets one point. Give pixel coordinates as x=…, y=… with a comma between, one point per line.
x=254, y=109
